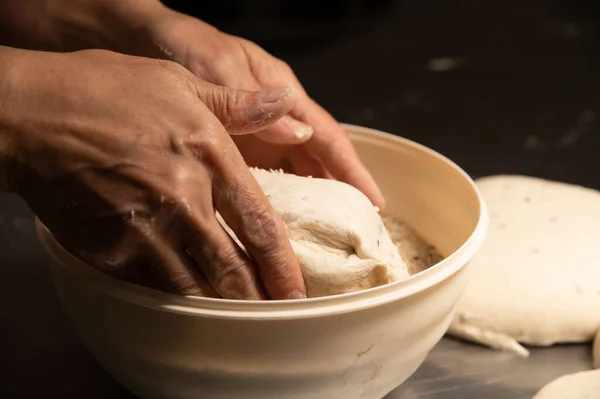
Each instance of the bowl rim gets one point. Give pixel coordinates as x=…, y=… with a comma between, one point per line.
x=281, y=309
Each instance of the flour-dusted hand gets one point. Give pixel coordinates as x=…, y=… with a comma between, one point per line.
x=307, y=140
x=315, y=143
x=126, y=159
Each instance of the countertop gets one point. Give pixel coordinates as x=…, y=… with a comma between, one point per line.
x=498, y=86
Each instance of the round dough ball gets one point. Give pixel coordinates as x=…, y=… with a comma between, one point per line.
x=583, y=385
x=336, y=233
x=536, y=279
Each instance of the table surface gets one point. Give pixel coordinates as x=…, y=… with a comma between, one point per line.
x=498, y=86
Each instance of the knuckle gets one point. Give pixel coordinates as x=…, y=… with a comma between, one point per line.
x=280, y=275
x=201, y=142
x=115, y=261
x=251, y=44
x=227, y=101
x=178, y=180
x=274, y=71
x=186, y=199
x=208, y=148
x=171, y=74
x=184, y=284
x=231, y=275
x=183, y=207
x=228, y=265
x=172, y=194
x=262, y=229
x=172, y=67
x=227, y=56
x=283, y=66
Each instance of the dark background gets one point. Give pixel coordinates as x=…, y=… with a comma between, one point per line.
x=521, y=97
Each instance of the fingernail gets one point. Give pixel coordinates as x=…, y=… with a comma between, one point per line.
x=301, y=130
x=297, y=295
x=277, y=95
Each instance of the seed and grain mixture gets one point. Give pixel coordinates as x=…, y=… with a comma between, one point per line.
x=416, y=252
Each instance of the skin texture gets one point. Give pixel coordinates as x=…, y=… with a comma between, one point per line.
x=307, y=141
x=126, y=159
x=235, y=62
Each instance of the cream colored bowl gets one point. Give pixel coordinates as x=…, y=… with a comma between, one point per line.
x=359, y=345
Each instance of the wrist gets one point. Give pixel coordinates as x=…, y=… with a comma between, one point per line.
x=69, y=25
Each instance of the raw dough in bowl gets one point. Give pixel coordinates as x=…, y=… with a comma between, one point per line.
x=335, y=231
x=164, y=346
x=582, y=385
x=536, y=279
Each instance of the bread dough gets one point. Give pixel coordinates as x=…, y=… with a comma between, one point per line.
x=416, y=252
x=582, y=385
x=596, y=351
x=536, y=279
x=336, y=233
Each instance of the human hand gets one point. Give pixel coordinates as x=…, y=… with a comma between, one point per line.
x=126, y=160
x=308, y=138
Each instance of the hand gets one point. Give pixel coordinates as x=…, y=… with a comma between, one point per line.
x=126, y=160
x=234, y=62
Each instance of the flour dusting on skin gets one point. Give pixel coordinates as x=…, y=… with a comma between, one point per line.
x=186, y=206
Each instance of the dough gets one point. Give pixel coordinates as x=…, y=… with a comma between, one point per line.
x=416, y=252
x=336, y=233
x=596, y=351
x=582, y=385
x=536, y=279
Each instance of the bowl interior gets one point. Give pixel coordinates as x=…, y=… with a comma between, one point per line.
x=421, y=187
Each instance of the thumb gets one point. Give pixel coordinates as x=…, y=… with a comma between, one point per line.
x=243, y=112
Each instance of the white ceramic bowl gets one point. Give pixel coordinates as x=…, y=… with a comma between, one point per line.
x=358, y=345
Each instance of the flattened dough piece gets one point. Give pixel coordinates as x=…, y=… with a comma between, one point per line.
x=335, y=231
x=582, y=385
x=536, y=279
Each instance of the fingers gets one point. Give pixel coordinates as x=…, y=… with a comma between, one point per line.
x=245, y=208
x=332, y=147
x=226, y=267
x=243, y=112
x=141, y=255
x=286, y=130
x=166, y=267
x=259, y=153
x=329, y=143
x=303, y=164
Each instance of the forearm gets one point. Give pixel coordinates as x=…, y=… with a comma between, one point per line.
x=68, y=25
